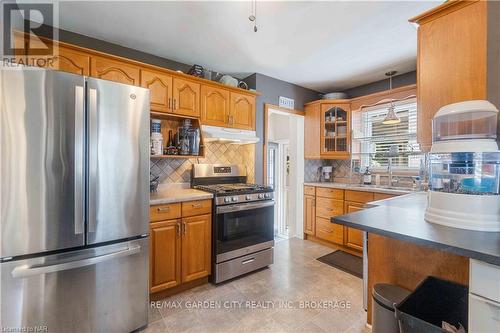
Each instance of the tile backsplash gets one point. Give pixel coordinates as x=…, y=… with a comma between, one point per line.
x=341, y=170
x=176, y=170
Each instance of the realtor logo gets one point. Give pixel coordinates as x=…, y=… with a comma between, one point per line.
x=27, y=28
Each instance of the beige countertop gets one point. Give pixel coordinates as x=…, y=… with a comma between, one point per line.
x=172, y=195
x=366, y=188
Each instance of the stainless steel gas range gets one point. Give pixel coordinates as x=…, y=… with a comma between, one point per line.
x=243, y=220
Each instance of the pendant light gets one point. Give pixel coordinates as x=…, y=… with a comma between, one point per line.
x=253, y=15
x=391, y=118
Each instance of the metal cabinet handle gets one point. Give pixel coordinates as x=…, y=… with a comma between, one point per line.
x=197, y=205
x=247, y=261
x=178, y=229
x=169, y=102
x=26, y=271
x=93, y=160
x=184, y=228
x=79, y=161
x=163, y=209
x=325, y=230
x=175, y=104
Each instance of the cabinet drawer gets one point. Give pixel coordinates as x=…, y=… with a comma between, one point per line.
x=164, y=212
x=327, y=208
x=332, y=193
x=484, y=280
x=358, y=196
x=484, y=315
x=199, y=207
x=309, y=190
x=328, y=231
x=382, y=196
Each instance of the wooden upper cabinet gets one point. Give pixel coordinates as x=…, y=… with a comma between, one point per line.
x=451, y=59
x=196, y=247
x=113, y=70
x=214, y=106
x=309, y=214
x=186, y=97
x=160, y=87
x=165, y=255
x=72, y=61
x=335, y=130
x=312, y=122
x=242, y=111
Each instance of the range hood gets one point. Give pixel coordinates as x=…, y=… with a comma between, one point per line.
x=228, y=135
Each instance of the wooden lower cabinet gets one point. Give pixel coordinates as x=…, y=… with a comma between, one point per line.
x=329, y=231
x=180, y=249
x=165, y=255
x=321, y=203
x=196, y=245
x=353, y=237
x=309, y=215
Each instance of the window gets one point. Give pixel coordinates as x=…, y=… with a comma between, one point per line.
x=372, y=140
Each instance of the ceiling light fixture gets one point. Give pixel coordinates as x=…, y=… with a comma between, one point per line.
x=253, y=16
x=391, y=118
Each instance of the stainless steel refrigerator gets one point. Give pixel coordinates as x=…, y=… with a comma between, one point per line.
x=74, y=202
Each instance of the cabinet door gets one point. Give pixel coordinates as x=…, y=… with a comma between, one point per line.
x=165, y=255
x=118, y=71
x=353, y=237
x=196, y=247
x=160, y=87
x=335, y=131
x=242, y=111
x=309, y=214
x=72, y=62
x=331, y=232
x=452, y=63
x=186, y=96
x=312, y=131
x=214, y=106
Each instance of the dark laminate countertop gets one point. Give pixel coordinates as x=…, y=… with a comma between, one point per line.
x=403, y=218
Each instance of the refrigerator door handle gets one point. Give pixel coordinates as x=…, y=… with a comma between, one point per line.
x=93, y=162
x=27, y=271
x=79, y=160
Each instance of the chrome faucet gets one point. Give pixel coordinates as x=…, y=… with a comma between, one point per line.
x=389, y=170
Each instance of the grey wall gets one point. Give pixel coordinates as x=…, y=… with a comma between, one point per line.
x=370, y=88
x=270, y=90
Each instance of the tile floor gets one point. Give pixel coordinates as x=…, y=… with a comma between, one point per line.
x=296, y=277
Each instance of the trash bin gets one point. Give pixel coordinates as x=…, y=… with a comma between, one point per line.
x=431, y=303
x=385, y=296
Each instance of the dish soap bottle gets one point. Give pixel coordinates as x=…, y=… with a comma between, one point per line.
x=367, y=177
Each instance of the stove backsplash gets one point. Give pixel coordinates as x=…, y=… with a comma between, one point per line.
x=341, y=170
x=179, y=170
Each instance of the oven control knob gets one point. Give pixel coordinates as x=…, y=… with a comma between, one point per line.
x=234, y=199
x=267, y=195
x=261, y=196
x=227, y=199
x=248, y=197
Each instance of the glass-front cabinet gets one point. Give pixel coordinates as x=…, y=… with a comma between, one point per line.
x=335, y=135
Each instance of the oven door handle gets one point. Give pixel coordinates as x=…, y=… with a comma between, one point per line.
x=245, y=206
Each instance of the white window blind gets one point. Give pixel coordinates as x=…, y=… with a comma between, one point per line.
x=372, y=139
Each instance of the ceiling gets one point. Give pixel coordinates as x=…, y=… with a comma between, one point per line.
x=326, y=46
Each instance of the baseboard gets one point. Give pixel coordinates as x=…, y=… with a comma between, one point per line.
x=178, y=289
x=334, y=246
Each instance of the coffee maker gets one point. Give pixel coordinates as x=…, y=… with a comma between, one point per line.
x=325, y=173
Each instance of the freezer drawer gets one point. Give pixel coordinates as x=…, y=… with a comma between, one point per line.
x=104, y=289
x=484, y=315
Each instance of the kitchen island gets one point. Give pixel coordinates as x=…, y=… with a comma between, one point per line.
x=403, y=248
